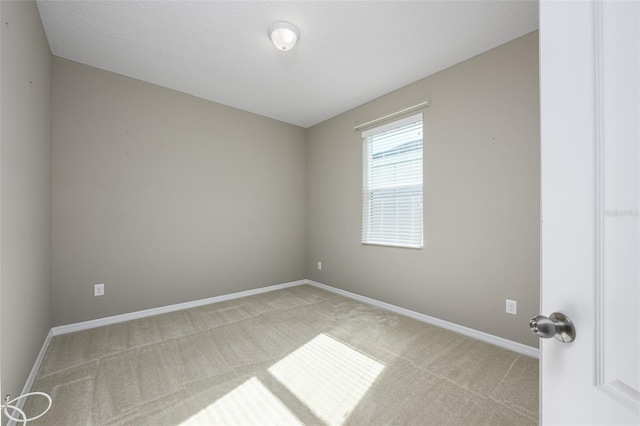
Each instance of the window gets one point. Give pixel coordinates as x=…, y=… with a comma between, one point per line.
x=392, y=184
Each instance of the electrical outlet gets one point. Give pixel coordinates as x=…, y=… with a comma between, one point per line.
x=319, y=265
x=511, y=307
x=98, y=289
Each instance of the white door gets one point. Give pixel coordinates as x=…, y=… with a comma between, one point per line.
x=590, y=133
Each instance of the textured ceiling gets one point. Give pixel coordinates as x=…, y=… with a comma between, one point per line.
x=349, y=52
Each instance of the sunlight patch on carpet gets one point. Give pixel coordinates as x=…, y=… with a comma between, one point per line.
x=249, y=404
x=328, y=376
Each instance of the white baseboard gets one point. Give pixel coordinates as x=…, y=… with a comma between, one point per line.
x=479, y=335
x=32, y=376
x=70, y=328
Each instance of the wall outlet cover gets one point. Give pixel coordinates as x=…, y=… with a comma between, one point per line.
x=98, y=289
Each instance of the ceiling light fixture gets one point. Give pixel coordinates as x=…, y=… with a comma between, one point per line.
x=284, y=35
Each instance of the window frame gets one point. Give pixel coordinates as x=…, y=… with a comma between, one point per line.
x=402, y=199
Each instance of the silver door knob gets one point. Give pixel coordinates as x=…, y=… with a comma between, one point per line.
x=557, y=325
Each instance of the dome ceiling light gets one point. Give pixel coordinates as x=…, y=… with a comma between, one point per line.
x=284, y=35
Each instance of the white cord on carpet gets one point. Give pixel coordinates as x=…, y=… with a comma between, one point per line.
x=9, y=406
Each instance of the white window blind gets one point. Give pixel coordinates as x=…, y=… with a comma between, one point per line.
x=392, y=184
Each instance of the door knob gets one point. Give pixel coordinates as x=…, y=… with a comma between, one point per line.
x=557, y=325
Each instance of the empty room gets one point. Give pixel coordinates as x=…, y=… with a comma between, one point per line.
x=319, y=212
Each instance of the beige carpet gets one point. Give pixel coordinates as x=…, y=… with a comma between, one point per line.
x=294, y=356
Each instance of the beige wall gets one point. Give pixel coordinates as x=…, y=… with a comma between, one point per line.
x=25, y=221
x=481, y=194
x=167, y=198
